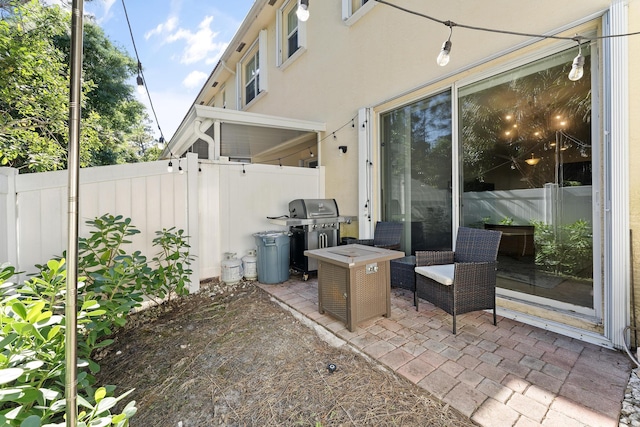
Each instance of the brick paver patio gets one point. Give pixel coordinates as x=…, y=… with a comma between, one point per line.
x=511, y=374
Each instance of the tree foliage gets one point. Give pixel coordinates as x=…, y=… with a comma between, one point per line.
x=34, y=93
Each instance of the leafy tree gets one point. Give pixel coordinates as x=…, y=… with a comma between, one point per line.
x=34, y=58
x=33, y=89
x=123, y=122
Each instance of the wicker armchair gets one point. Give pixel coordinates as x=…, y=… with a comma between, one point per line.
x=386, y=235
x=461, y=281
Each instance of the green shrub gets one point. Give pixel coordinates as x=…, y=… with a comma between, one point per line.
x=112, y=276
x=32, y=356
x=566, y=249
x=112, y=282
x=172, y=273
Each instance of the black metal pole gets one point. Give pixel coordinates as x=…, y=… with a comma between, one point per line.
x=73, y=166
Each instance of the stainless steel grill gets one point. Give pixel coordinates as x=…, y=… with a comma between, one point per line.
x=314, y=224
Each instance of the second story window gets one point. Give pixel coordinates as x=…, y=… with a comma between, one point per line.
x=252, y=73
x=291, y=33
x=252, y=77
x=353, y=10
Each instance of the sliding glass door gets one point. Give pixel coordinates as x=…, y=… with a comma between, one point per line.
x=416, y=150
x=524, y=166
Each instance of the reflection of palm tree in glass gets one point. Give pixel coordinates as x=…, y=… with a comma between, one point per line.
x=505, y=124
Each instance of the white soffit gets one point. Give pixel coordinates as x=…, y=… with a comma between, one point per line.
x=254, y=119
x=240, y=128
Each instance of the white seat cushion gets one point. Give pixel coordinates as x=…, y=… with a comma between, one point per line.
x=440, y=273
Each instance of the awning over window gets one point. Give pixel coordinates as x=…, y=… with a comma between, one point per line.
x=240, y=134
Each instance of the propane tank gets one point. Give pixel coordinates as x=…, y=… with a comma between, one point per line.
x=231, y=268
x=250, y=265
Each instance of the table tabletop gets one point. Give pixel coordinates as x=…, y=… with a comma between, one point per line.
x=353, y=255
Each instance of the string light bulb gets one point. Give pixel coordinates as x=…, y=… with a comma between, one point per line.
x=310, y=153
x=170, y=167
x=180, y=171
x=139, y=79
x=303, y=10
x=443, y=57
x=577, y=68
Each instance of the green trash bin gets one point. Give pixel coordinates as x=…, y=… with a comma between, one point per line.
x=273, y=256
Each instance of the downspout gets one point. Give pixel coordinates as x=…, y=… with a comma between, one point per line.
x=197, y=130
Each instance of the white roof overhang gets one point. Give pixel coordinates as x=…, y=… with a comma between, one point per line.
x=241, y=133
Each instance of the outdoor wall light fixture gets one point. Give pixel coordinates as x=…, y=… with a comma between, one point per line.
x=343, y=149
x=303, y=10
x=577, y=68
x=443, y=57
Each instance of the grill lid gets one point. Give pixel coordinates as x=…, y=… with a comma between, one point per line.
x=313, y=208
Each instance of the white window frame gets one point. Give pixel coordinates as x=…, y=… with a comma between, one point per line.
x=223, y=96
x=283, y=60
x=351, y=16
x=258, y=47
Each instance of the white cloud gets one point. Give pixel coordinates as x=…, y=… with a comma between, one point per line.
x=166, y=27
x=99, y=11
x=199, y=45
x=213, y=59
x=107, y=5
x=194, y=79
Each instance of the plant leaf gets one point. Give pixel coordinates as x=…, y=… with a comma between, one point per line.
x=31, y=421
x=10, y=374
x=106, y=404
x=19, y=309
x=100, y=394
x=8, y=340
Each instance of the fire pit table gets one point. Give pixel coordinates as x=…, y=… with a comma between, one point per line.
x=353, y=282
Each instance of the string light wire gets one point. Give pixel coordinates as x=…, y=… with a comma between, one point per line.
x=144, y=79
x=333, y=134
x=452, y=24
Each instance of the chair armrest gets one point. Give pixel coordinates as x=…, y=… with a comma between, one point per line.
x=368, y=242
x=433, y=257
x=393, y=247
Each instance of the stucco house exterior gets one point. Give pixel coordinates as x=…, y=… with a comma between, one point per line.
x=499, y=137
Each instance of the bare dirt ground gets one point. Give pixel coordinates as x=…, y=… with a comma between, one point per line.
x=233, y=357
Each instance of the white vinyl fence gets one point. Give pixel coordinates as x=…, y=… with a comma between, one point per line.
x=549, y=204
x=217, y=204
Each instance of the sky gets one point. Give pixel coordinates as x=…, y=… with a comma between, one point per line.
x=178, y=43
